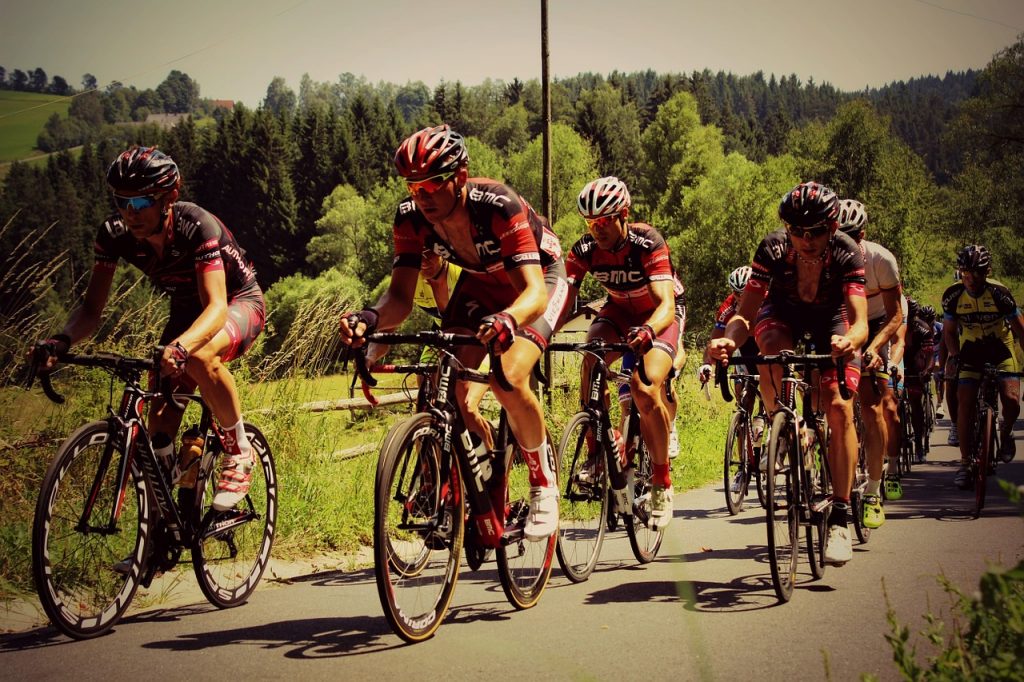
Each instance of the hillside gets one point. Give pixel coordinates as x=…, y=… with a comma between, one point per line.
x=22, y=116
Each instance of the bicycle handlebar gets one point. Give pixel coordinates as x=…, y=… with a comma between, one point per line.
x=599, y=348
x=789, y=358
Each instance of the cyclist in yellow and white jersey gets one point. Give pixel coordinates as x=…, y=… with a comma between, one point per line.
x=981, y=325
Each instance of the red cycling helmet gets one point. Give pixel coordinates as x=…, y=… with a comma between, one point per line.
x=143, y=170
x=430, y=152
x=810, y=204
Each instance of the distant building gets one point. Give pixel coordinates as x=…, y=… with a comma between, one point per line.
x=223, y=104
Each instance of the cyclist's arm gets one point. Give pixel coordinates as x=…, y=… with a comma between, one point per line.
x=213, y=292
x=738, y=328
x=85, y=318
x=857, y=310
x=1017, y=328
x=396, y=303
x=899, y=346
x=894, y=318
x=665, y=313
x=950, y=337
x=533, y=293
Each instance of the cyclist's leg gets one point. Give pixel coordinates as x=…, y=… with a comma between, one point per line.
x=774, y=333
x=967, y=405
x=1009, y=393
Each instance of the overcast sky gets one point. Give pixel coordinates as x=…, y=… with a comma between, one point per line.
x=233, y=48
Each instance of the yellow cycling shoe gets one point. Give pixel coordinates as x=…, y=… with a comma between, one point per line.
x=874, y=514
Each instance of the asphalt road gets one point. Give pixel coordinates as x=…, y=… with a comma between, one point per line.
x=704, y=610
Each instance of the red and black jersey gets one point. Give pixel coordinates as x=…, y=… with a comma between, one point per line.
x=626, y=272
x=506, y=232
x=197, y=241
x=726, y=311
x=774, y=269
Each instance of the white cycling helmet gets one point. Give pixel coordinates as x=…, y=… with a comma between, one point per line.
x=852, y=217
x=739, y=277
x=603, y=197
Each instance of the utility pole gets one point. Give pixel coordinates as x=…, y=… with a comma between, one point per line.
x=546, y=97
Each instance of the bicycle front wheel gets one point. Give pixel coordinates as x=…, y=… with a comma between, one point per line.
x=418, y=529
x=644, y=541
x=583, y=507
x=984, y=437
x=783, y=512
x=89, y=535
x=735, y=475
x=523, y=566
x=232, y=548
x=817, y=492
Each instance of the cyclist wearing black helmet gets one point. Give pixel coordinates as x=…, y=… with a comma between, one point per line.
x=878, y=404
x=511, y=294
x=217, y=307
x=981, y=324
x=810, y=278
x=918, y=361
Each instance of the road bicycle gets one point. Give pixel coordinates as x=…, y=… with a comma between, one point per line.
x=799, y=480
x=599, y=485
x=743, y=447
x=108, y=519
x=437, y=494
x=985, y=443
x=860, y=478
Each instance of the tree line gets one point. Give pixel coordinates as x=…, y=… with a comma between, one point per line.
x=305, y=180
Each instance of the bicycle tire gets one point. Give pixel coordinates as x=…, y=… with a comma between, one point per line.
x=232, y=549
x=817, y=486
x=782, y=515
x=644, y=541
x=524, y=567
x=80, y=591
x=418, y=529
x=984, y=437
x=736, y=462
x=584, y=505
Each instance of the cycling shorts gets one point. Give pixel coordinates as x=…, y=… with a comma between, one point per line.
x=620, y=319
x=817, y=330
x=246, y=318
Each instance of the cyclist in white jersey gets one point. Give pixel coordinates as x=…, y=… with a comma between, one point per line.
x=878, y=408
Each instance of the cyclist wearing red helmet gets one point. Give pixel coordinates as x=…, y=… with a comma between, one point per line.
x=217, y=307
x=810, y=278
x=511, y=294
x=632, y=263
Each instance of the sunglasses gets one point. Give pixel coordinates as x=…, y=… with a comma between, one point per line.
x=604, y=221
x=808, y=232
x=135, y=203
x=429, y=185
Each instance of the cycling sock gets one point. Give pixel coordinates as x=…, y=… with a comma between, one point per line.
x=662, y=475
x=541, y=464
x=873, y=486
x=235, y=441
x=840, y=509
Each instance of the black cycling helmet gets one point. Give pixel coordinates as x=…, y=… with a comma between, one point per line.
x=143, y=170
x=852, y=217
x=973, y=257
x=430, y=152
x=927, y=313
x=810, y=204
x=913, y=307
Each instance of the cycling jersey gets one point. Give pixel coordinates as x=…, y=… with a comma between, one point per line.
x=424, y=295
x=196, y=242
x=983, y=325
x=505, y=230
x=725, y=313
x=880, y=274
x=627, y=272
x=774, y=269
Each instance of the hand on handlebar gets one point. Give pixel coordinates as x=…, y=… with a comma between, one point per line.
x=872, y=361
x=354, y=326
x=497, y=332
x=173, y=360
x=704, y=374
x=45, y=354
x=841, y=346
x=720, y=349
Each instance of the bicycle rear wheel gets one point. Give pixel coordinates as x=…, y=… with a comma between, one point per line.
x=736, y=472
x=583, y=508
x=644, y=541
x=523, y=566
x=984, y=438
x=232, y=549
x=418, y=529
x=74, y=558
x=782, y=513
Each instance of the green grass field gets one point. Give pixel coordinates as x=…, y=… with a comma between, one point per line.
x=22, y=117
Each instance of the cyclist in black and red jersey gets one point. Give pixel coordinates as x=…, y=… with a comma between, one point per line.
x=512, y=292
x=217, y=307
x=918, y=361
x=632, y=262
x=810, y=278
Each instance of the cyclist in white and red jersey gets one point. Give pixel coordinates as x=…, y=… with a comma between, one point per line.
x=810, y=279
x=217, y=307
x=632, y=263
x=512, y=292
x=877, y=402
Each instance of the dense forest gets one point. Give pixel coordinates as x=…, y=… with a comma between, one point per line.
x=305, y=180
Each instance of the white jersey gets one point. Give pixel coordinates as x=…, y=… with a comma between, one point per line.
x=881, y=274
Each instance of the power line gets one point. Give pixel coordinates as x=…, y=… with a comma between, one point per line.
x=225, y=37
x=968, y=14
